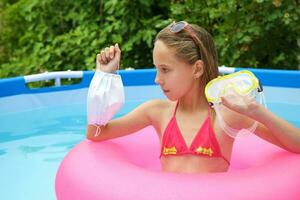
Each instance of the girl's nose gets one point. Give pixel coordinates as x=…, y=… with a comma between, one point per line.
x=157, y=79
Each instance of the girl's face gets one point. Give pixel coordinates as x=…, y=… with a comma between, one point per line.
x=174, y=76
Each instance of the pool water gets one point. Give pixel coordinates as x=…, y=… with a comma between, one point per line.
x=34, y=138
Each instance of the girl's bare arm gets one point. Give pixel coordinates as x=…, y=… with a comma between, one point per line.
x=137, y=119
x=271, y=127
x=287, y=134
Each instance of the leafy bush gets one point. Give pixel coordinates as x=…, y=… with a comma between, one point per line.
x=38, y=36
x=261, y=33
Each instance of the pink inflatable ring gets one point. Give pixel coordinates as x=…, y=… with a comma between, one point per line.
x=129, y=168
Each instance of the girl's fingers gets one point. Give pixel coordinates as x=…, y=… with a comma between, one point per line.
x=117, y=49
x=117, y=52
x=98, y=58
x=107, y=54
x=226, y=103
x=98, y=61
x=111, y=52
x=103, y=57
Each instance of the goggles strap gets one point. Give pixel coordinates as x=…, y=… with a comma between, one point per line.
x=262, y=99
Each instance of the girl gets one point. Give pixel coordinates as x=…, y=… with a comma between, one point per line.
x=191, y=139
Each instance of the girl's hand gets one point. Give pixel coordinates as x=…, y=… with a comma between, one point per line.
x=245, y=105
x=109, y=59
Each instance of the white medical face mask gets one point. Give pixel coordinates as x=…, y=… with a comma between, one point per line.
x=105, y=98
x=243, y=83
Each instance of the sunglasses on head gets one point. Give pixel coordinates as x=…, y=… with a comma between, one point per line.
x=176, y=27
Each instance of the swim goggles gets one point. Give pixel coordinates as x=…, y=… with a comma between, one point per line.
x=244, y=83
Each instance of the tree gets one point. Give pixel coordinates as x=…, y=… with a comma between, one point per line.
x=38, y=36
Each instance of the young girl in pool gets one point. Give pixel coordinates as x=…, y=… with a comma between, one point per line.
x=192, y=140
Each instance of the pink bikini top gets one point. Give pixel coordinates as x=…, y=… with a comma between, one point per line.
x=203, y=144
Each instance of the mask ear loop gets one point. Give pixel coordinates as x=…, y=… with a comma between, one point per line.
x=98, y=130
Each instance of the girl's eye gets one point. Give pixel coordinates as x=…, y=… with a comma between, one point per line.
x=165, y=70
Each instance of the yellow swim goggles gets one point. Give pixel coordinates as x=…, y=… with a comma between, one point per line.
x=244, y=83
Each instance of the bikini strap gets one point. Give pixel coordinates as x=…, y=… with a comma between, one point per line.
x=174, y=113
x=209, y=112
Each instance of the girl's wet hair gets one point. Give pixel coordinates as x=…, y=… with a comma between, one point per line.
x=189, y=51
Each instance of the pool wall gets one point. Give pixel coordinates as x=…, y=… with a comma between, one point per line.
x=17, y=85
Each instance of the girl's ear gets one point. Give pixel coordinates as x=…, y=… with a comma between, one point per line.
x=198, y=69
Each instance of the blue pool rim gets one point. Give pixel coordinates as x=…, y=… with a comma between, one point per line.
x=17, y=85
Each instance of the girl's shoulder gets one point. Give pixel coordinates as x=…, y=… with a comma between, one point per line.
x=159, y=108
x=160, y=104
x=159, y=112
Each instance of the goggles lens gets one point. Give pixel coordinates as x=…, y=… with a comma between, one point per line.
x=243, y=82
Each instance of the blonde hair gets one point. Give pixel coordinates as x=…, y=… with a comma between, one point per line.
x=190, y=51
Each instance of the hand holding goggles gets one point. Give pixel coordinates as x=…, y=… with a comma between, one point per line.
x=243, y=83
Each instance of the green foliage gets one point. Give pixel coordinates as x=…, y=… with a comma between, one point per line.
x=38, y=36
x=261, y=33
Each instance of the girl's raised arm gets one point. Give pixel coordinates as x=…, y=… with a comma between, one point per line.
x=271, y=127
x=105, y=97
